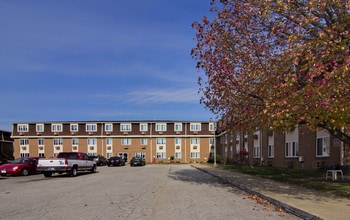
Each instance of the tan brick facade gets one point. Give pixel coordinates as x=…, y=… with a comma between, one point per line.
x=157, y=141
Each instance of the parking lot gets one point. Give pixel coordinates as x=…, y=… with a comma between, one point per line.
x=149, y=192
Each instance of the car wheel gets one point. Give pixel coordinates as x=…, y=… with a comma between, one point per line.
x=47, y=174
x=73, y=172
x=93, y=169
x=24, y=172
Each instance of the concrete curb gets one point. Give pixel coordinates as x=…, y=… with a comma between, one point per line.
x=295, y=211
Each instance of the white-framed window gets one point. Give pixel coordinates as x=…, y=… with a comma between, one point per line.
x=143, y=141
x=75, y=141
x=177, y=141
x=195, y=154
x=143, y=127
x=270, y=151
x=109, y=141
x=126, y=141
x=108, y=127
x=256, y=153
x=73, y=127
x=195, y=126
x=39, y=127
x=160, y=126
x=56, y=127
x=92, y=141
x=24, y=142
x=291, y=149
x=178, y=127
x=41, y=142
x=195, y=140
x=322, y=147
x=178, y=154
x=91, y=127
x=161, y=140
x=125, y=127
x=22, y=127
x=57, y=141
x=161, y=155
x=211, y=126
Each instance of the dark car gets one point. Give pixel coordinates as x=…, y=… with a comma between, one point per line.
x=115, y=161
x=137, y=161
x=100, y=160
x=20, y=166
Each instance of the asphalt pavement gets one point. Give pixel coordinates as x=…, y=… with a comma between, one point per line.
x=302, y=202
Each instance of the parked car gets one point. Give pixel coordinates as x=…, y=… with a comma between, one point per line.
x=137, y=161
x=20, y=166
x=115, y=161
x=100, y=160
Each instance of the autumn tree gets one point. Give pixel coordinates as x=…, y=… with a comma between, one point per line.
x=276, y=63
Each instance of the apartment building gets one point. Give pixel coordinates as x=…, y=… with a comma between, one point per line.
x=298, y=149
x=156, y=141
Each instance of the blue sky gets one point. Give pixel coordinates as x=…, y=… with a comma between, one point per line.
x=64, y=60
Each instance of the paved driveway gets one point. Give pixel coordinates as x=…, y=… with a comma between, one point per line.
x=149, y=192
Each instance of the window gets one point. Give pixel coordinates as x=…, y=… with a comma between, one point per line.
x=195, y=155
x=41, y=142
x=91, y=127
x=161, y=141
x=39, y=127
x=109, y=141
x=56, y=127
x=73, y=127
x=24, y=155
x=125, y=127
x=195, y=126
x=92, y=141
x=256, y=153
x=211, y=126
x=178, y=141
x=143, y=141
x=23, y=142
x=161, y=155
x=161, y=127
x=57, y=141
x=178, y=126
x=126, y=141
x=178, y=155
x=22, y=127
x=75, y=141
x=108, y=127
x=143, y=127
x=42, y=155
x=322, y=147
x=270, y=151
x=195, y=141
x=292, y=149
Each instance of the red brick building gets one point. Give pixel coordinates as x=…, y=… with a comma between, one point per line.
x=299, y=149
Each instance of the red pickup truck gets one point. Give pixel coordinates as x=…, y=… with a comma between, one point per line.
x=66, y=162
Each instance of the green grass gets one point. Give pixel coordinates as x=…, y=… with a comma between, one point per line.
x=313, y=179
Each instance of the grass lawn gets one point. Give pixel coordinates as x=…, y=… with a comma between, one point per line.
x=315, y=179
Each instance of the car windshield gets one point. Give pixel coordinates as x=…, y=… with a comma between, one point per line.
x=20, y=160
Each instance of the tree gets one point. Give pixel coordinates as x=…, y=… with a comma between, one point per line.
x=276, y=63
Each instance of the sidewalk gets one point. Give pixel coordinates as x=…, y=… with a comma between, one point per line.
x=302, y=202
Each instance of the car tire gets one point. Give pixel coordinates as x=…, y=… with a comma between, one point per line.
x=73, y=172
x=93, y=169
x=24, y=172
x=47, y=174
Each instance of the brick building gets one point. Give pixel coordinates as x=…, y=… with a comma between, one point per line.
x=6, y=146
x=156, y=141
x=299, y=149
